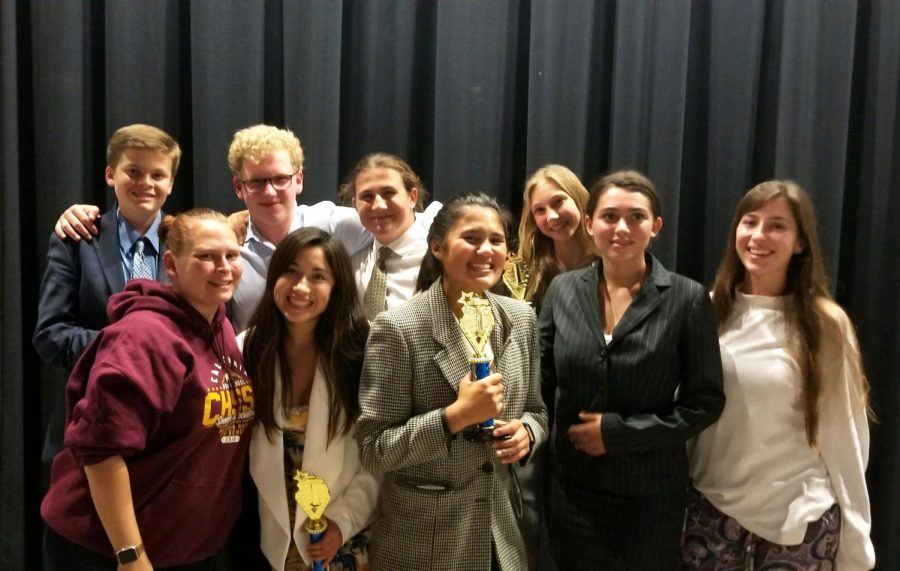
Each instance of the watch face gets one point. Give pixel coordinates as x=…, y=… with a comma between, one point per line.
x=127, y=555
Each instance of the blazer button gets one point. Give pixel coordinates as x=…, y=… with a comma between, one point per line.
x=602, y=354
x=487, y=467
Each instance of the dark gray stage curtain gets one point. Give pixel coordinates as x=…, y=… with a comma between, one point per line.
x=478, y=46
x=721, y=123
x=870, y=271
x=386, y=82
x=569, y=85
x=14, y=488
x=228, y=86
x=313, y=33
x=707, y=96
x=147, y=78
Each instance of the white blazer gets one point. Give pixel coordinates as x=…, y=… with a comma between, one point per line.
x=354, y=491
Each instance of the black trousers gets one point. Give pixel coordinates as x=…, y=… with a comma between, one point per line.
x=60, y=554
x=590, y=529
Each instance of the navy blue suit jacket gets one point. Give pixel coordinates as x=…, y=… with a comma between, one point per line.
x=79, y=279
x=657, y=383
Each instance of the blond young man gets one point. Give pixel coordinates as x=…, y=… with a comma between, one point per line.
x=81, y=274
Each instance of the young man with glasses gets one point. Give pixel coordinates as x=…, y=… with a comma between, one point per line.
x=267, y=165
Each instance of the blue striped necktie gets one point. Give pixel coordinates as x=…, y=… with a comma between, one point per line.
x=139, y=266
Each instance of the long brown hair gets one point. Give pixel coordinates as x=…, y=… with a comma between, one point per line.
x=340, y=336
x=806, y=291
x=536, y=248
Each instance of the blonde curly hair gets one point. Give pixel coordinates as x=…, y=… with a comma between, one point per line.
x=257, y=141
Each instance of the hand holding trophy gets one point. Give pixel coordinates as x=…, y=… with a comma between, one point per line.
x=477, y=323
x=313, y=497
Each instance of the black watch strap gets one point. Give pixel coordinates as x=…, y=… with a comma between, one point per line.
x=530, y=436
x=129, y=554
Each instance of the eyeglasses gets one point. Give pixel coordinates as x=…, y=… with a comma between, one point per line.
x=278, y=182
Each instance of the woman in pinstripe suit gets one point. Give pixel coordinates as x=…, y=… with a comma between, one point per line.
x=445, y=502
x=630, y=370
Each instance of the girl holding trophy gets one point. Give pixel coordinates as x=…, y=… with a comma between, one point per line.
x=446, y=501
x=304, y=351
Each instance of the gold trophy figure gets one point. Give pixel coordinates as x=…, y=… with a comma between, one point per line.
x=476, y=323
x=313, y=497
x=516, y=274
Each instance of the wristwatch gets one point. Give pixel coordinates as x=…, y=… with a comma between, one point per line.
x=530, y=436
x=129, y=554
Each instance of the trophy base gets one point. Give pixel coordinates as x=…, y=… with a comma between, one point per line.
x=479, y=433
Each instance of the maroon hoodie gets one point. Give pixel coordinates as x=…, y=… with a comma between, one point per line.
x=166, y=390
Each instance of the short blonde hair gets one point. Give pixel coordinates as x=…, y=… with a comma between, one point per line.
x=140, y=136
x=254, y=142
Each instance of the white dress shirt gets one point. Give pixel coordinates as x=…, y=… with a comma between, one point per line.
x=401, y=267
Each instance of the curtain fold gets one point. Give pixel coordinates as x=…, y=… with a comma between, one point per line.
x=870, y=269
x=14, y=491
x=313, y=36
x=477, y=48
x=227, y=92
x=707, y=97
x=649, y=101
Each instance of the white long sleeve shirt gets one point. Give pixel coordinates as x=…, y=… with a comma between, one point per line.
x=756, y=465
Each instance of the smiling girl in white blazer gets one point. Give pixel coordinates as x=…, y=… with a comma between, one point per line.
x=304, y=351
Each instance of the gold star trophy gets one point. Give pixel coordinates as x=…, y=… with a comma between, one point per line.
x=516, y=274
x=313, y=496
x=477, y=322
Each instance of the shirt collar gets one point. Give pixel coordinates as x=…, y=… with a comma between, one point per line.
x=253, y=234
x=128, y=235
x=409, y=240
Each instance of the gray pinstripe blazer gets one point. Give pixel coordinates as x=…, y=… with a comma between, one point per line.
x=415, y=359
x=657, y=383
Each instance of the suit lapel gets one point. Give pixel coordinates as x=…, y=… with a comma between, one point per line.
x=161, y=275
x=267, y=464
x=589, y=303
x=108, y=250
x=452, y=359
x=502, y=327
x=645, y=303
x=324, y=461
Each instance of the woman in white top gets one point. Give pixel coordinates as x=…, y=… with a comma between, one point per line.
x=304, y=350
x=780, y=479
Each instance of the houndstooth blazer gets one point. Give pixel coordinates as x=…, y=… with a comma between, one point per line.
x=444, y=498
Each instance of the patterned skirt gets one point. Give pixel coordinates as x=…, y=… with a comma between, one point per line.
x=714, y=541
